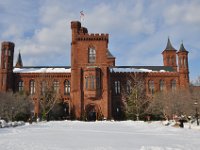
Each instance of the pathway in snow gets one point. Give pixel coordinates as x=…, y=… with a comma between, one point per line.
x=74, y=135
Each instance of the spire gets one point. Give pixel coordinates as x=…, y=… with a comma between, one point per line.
x=169, y=45
x=19, y=63
x=182, y=48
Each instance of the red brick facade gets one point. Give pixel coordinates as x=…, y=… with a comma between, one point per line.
x=93, y=81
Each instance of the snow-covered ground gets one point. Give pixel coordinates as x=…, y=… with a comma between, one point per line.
x=105, y=135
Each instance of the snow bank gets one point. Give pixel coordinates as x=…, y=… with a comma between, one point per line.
x=105, y=135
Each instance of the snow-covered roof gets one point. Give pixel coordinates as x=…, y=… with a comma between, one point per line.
x=42, y=70
x=140, y=69
x=130, y=70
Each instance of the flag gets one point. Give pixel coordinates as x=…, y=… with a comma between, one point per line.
x=82, y=15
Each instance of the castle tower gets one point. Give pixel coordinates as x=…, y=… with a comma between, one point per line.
x=19, y=63
x=6, y=70
x=90, y=60
x=183, y=66
x=169, y=56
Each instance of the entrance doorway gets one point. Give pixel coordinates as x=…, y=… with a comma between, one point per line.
x=91, y=113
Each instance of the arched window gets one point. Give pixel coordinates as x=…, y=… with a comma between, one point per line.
x=172, y=60
x=92, y=55
x=86, y=83
x=162, y=85
x=151, y=86
x=117, y=87
x=20, y=86
x=173, y=84
x=184, y=62
x=56, y=86
x=43, y=87
x=128, y=86
x=181, y=62
x=67, y=87
x=32, y=87
x=168, y=60
x=92, y=82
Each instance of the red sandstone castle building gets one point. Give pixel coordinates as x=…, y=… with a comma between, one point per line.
x=92, y=83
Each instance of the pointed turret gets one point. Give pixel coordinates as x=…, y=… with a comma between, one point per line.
x=182, y=48
x=169, y=56
x=19, y=63
x=169, y=45
x=183, y=66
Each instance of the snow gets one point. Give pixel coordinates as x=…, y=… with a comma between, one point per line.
x=133, y=70
x=105, y=135
x=42, y=70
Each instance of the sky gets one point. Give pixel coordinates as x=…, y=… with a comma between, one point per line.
x=138, y=29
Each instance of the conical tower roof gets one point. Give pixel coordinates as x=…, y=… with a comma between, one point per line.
x=19, y=63
x=169, y=45
x=182, y=48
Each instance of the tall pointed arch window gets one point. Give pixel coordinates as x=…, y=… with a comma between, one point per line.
x=117, y=87
x=43, y=87
x=173, y=84
x=128, y=86
x=32, y=87
x=91, y=55
x=184, y=62
x=56, y=86
x=20, y=86
x=67, y=87
x=162, y=85
x=151, y=86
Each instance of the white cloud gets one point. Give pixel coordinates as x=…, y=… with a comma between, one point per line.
x=138, y=29
x=185, y=13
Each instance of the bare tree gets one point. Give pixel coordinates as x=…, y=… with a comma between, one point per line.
x=171, y=103
x=134, y=93
x=15, y=106
x=47, y=93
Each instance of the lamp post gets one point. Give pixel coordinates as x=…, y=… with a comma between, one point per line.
x=196, y=113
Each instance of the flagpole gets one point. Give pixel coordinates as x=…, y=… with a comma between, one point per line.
x=82, y=15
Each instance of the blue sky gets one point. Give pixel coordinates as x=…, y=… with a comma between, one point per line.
x=138, y=29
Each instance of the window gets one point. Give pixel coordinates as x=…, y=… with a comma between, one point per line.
x=98, y=82
x=128, y=86
x=32, y=87
x=9, y=52
x=168, y=60
x=117, y=87
x=4, y=64
x=173, y=84
x=20, y=86
x=90, y=83
x=181, y=62
x=151, y=87
x=86, y=83
x=67, y=87
x=162, y=85
x=184, y=62
x=56, y=86
x=92, y=55
x=43, y=87
x=172, y=60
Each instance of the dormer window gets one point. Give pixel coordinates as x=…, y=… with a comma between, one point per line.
x=92, y=55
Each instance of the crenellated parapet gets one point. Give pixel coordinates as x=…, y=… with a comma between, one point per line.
x=81, y=33
x=92, y=37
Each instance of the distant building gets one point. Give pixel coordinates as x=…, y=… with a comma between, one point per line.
x=92, y=84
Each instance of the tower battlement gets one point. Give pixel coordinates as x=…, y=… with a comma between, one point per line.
x=81, y=33
x=86, y=37
x=7, y=44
